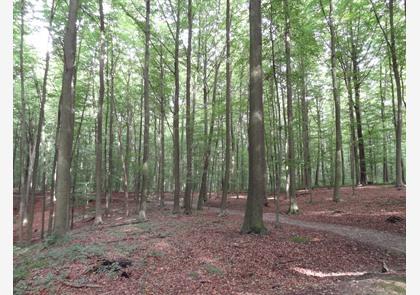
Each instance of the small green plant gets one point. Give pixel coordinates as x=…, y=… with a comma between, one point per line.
x=212, y=269
x=299, y=239
x=156, y=254
x=194, y=275
x=55, y=240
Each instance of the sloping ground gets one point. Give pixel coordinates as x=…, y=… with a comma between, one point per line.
x=368, y=208
x=199, y=254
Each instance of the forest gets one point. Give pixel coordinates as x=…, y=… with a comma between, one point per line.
x=209, y=146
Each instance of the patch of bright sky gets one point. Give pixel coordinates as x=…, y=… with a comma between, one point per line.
x=38, y=37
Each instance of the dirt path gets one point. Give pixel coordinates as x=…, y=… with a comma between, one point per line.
x=388, y=241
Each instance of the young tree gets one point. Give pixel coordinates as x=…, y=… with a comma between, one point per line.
x=176, y=172
x=338, y=148
x=145, y=170
x=253, y=220
x=98, y=170
x=293, y=207
x=189, y=127
x=228, y=115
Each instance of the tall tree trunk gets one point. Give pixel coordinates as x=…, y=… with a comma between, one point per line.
x=145, y=169
x=226, y=181
x=385, y=178
x=66, y=123
x=176, y=170
x=305, y=132
x=338, y=148
x=253, y=220
x=398, y=148
x=356, y=83
x=111, y=140
x=162, y=133
x=188, y=186
x=203, y=187
x=98, y=145
x=23, y=145
x=293, y=206
x=278, y=152
x=33, y=167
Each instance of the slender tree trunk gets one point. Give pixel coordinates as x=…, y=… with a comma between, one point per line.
x=145, y=170
x=359, y=129
x=176, y=170
x=23, y=146
x=385, y=178
x=207, y=153
x=253, y=220
x=111, y=140
x=226, y=182
x=338, y=148
x=398, y=148
x=98, y=145
x=162, y=133
x=293, y=207
x=65, y=137
x=188, y=186
x=305, y=132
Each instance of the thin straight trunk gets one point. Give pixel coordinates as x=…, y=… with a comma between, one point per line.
x=338, y=148
x=176, y=170
x=65, y=137
x=318, y=157
x=23, y=146
x=44, y=196
x=382, y=90
x=111, y=140
x=253, y=220
x=398, y=148
x=98, y=145
x=293, y=206
x=145, y=168
x=188, y=186
x=356, y=84
x=204, y=176
x=226, y=181
x=305, y=132
x=53, y=171
x=277, y=152
x=162, y=133
x=33, y=169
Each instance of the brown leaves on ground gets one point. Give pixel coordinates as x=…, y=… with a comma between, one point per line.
x=368, y=208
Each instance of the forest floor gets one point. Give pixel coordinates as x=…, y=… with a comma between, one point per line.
x=206, y=254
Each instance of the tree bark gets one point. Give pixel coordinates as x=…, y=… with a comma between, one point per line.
x=188, y=186
x=253, y=220
x=66, y=123
x=145, y=172
x=293, y=206
x=98, y=145
x=226, y=181
x=176, y=168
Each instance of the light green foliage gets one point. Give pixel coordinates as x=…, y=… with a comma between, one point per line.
x=300, y=239
x=212, y=269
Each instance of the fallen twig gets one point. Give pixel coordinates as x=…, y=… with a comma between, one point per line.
x=74, y=285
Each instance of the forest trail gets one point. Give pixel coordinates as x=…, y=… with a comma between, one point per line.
x=388, y=241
